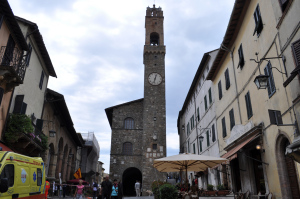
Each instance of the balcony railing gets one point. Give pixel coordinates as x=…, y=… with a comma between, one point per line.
x=13, y=58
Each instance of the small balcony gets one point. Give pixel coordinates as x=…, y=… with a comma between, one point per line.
x=12, y=67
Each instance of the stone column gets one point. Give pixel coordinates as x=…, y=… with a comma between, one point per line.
x=59, y=164
x=52, y=165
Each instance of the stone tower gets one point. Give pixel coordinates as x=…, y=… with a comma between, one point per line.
x=154, y=113
x=139, y=127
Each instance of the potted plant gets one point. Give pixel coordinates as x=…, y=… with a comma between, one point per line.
x=210, y=190
x=221, y=190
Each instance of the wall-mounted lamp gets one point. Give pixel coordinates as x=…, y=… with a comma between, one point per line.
x=52, y=133
x=258, y=147
x=201, y=138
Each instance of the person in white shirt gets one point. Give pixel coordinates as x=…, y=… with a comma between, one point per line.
x=137, y=188
x=95, y=189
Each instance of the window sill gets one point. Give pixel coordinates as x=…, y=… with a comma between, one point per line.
x=284, y=14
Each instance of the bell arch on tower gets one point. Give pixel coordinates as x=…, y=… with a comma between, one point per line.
x=154, y=39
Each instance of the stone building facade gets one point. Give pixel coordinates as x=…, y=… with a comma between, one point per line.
x=139, y=127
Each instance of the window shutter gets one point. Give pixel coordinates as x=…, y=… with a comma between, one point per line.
x=213, y=133
x=198, y=115
x=9, y=51
x=24, y=107
x=296, y=52
x=205, y=102
x=28, y=55
x=232, y=121
x=1, y=94
x=207, y=138
x=271, y=84
x=200, y=145
x=275, y=117
x=248, y=105
x=227, y=79
x=41, y=80
x=39, y=126
x=224, y=127
x=209, y=96
x=279, y=117
x=18, y=103
x=220, y=89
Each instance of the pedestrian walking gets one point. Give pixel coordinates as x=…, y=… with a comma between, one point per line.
x=79, y=190
x=47, y=188
x=120, y=190
x=106, y=188
x=137, y=187
x=115, y=189
x=64, y=186
x=95, y=189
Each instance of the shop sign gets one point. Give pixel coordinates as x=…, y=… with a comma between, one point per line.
x=238, y=131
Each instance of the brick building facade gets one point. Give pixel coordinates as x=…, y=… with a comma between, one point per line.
x=139, y=127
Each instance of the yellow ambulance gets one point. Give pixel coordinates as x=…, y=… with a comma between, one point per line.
x=21, y=176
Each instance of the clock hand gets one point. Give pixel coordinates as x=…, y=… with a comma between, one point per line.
x=155, y=78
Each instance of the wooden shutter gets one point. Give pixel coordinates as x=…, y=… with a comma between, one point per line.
x=248, y=105
x=205, y=102
x=296, y=52
x=292, y=175
x=207, y=138
x=213, y=133
x=1, y=94
x=227, y=79
x=220, y=89
x=275, y=117
x=209, y=96
x=200, y=145
x=241, y=57
x=41, y=80
x=231, y=116
x=198, y=114
x=224, y=127
x=271, y=84
x=23, y=108
x=39, y=126
x=9, y=51
x=18, y=103
x=28, y=55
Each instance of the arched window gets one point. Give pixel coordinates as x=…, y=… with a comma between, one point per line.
x=127, y=148
x=129, y=123
x=154, y=39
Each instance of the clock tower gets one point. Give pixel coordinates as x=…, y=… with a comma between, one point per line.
x=154, y=107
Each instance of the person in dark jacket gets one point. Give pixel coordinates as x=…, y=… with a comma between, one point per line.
x=106, y=188
x=120, y=192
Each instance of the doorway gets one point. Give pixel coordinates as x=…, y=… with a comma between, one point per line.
x=130, y=176
x=236, y=177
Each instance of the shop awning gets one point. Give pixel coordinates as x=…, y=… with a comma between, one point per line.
x=4, y=148
x=230, y=155
x=293, y=150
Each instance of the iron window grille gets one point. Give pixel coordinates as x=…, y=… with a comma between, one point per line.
x=127, y=148
x=129, y=123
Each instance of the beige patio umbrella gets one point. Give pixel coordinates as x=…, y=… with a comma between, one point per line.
x=187, y=162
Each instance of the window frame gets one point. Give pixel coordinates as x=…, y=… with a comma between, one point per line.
x=41, y=80
x=198, y=114
x=258, y=21
x=188, y=129
x=231, y=117
x=39, y=177
x=192, y=120
x=129, y=123
x=194, y=148
x=296, y=47
x=213, y=133
x=11, y=179
x=248, y=105
x=224, y=132
x=220, y=90
x=209, y=95
x=127, y=148
x=227, y=79
x=200, y=146
x=28, y=55
x=207, y=138
x=241, y=57
x=205, y=103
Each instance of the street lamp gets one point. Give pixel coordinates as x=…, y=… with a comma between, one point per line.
x=201, y=138
x=261, y=81
x=52, y=133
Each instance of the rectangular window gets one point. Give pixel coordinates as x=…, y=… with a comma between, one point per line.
x=213, y=133
x=275, y=117
x=224, y=127
x=198, y=114
x=192, y=122
x=188, y=129
x=20, y=106
x=227, y=80
x=41, y=80
x=241, y=57
x=194, y=148
x=38, y=126
x=39, y=177
x=209, y=96
x=258, y=21
x=248, y=105
x=231, y=116
x=205, y=102
x=271, y=83
x=8, y=172
x=188, y=146
x=9, y=52
x=154, y=146
x=28, y=55
x=220, y=90
x=207, y=138
x=296, y=52
x=200, y=146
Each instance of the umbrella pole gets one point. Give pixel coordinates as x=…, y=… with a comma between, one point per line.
x=186, y=180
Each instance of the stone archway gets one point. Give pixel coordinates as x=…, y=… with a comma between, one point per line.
x=50, y=161
x=129, y=178
x=286, y=170
x=59, y=158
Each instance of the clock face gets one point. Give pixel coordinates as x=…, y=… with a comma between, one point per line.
x=155, y=79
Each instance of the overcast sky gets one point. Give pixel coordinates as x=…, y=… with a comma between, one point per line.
x=96, y=48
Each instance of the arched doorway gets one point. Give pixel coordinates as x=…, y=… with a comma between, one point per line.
x=286, y=170
x=130, y=176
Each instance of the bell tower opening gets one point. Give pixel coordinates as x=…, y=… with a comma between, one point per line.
x=154, y=39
